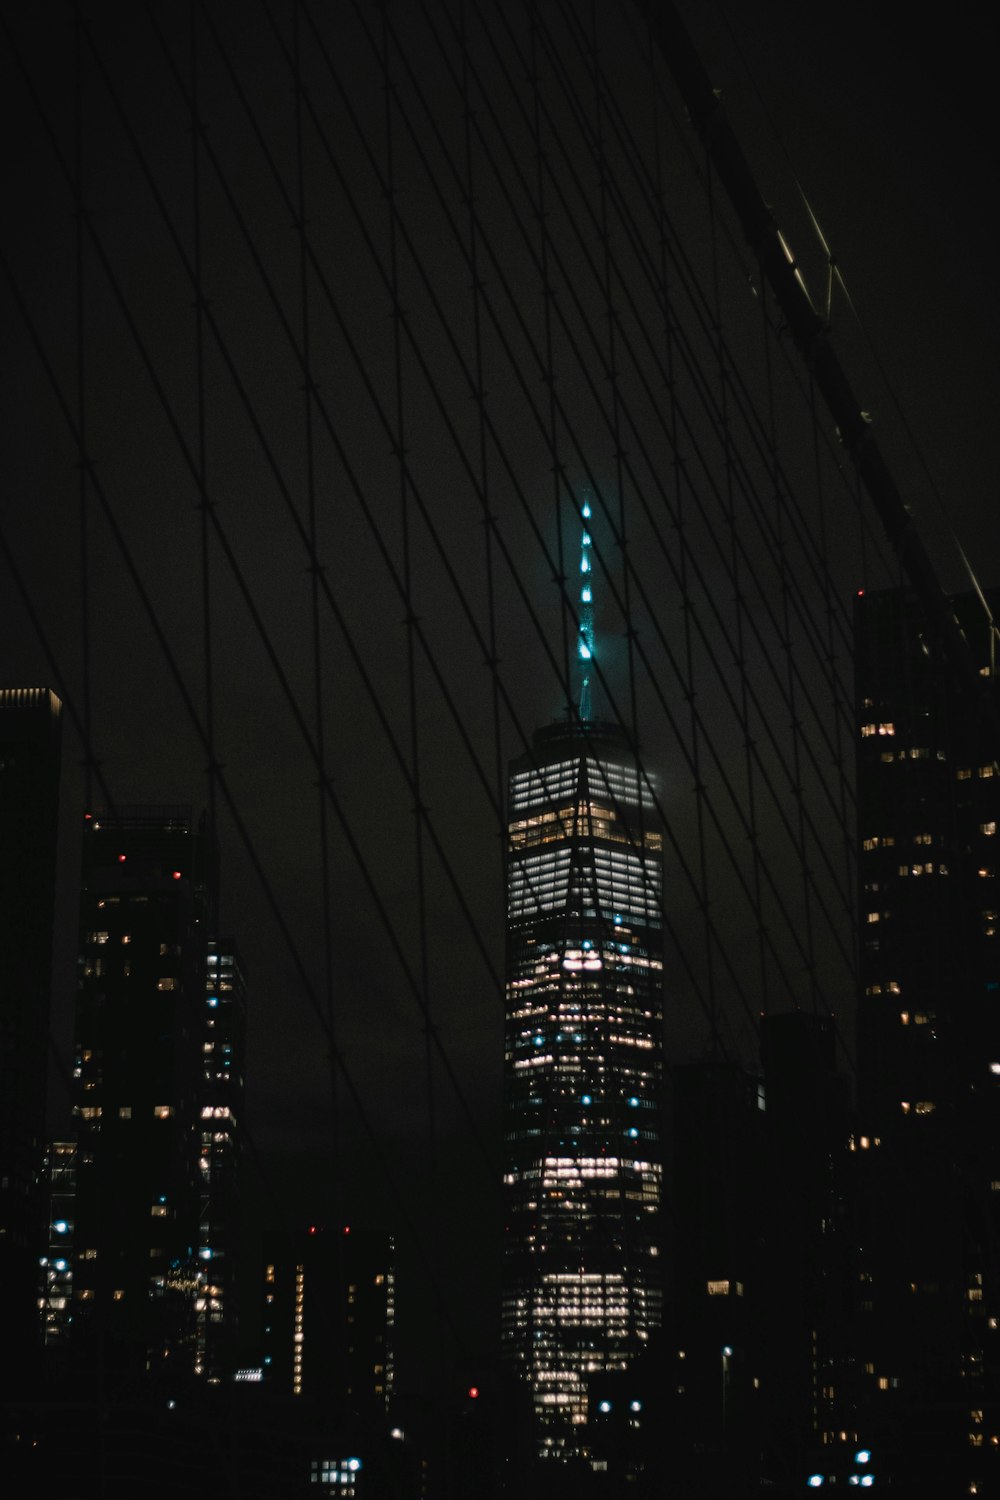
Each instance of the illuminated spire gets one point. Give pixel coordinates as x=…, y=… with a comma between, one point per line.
x=585, y=632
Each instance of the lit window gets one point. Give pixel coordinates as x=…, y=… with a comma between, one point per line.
x=166, y=984
x=162, y=1111
x=125, y=1112
x=988, y=828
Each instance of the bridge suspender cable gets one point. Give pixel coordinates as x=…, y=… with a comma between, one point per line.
x=811, y=337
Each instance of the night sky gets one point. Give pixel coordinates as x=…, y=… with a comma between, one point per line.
x=890, y=137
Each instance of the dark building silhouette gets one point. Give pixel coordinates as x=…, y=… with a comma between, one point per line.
x=804, y=1357
x=139, y=1267
x=30, y=727
x=583, y=1072
x=928, y=1341
x=716, y=1185
x=329, y=1318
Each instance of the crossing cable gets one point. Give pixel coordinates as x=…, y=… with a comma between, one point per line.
x=482, y=434
x=230, y=801
x=346, y=188
x=626, y=10
x=785, y=634
x=831, y=870
x=77, y=714
x=201, y=449
x=683, y=546
x=836, y=687
x=611, y=359
x=734, y=976
x=786, y=643
x=319, y=711
x=633, y=155
x=234, y=567
x=840, y=718
x=86, y=738
x=835, y=273
x=513, y=477
x=710, y=403
x=527, y=395
x=399, y=448
x=596, y=397
x=560, y=577
x=259, y=432
x=376, y=532
x=374, y=396
x=697, y=296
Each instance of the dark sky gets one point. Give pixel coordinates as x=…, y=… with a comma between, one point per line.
x=889, y=135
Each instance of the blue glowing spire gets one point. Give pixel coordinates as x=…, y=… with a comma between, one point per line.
x=585, y=632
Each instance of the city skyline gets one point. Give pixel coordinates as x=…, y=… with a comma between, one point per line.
x=307, y=411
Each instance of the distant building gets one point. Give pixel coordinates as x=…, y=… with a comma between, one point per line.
x=583, y=1071
x=219, y=1158
x=30, y=727
x=147, y=908
x=928, y=1050
x=329, y=1318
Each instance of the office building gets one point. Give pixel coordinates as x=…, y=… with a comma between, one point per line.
x=30, y=723
x=928, y=1049
x=147, y=908
x=583, y=1062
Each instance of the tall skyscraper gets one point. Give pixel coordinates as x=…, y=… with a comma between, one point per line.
x=30, y=721
x=928, y=1047
x=147, y=908
x=583, y=1061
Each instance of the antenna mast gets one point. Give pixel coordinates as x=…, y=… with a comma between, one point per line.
x=585, y=634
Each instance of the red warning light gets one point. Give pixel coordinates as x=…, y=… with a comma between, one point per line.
x=121, y=859
x=312, y=1228
x=87, y=817
x=177, y=874
x=473, y=1392
x=347, y=1228
x=861, y=593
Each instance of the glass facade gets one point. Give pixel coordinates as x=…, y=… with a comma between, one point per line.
x=583, y=1070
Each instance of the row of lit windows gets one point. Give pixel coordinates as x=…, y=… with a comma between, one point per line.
x=914, y=752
